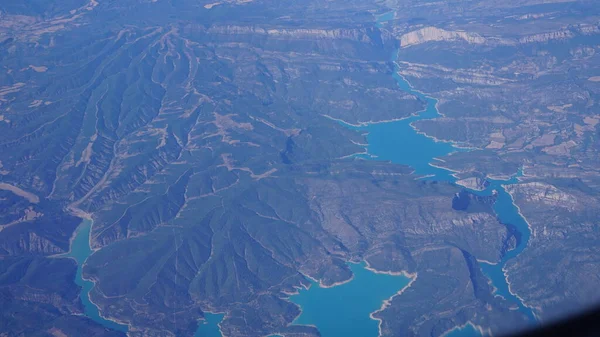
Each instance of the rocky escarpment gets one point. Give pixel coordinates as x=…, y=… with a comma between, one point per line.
x=462, y=76
x=547, y=195
x=360, y=35
x=544, y=37
x=435, y=34
x=473, y=183
x=429, y=34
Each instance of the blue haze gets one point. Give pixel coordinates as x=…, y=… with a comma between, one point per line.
x=345, y=310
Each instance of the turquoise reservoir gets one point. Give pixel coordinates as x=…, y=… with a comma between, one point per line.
x=80, y=251
x=508, y=213
x=210, y=326
x=400, y=143
x=344, y=310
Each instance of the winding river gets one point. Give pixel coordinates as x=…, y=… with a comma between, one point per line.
x=399, y=142
x=387, y=141
x=80, y=251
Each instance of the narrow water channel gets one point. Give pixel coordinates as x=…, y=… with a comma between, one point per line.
x=80, y=251
x=508, y=213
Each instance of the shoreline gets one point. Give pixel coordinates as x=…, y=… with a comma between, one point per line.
x=298, y=316
x=357, y=154
x=436, y=104
x=503, y=263
x=410, y=86
x=435, y=139
x=478, y=328
x=429, y=100
x=365, y=145
x=523, y=302
x=205, y=320
x=443, y=168
x=321, y=285
x=478, y=189
x=369, y=123
x=335, y=284
x=84, y=216
x=499, y=178
x=388, y=302
x=114, y=320
x=512, y=198
x=455, y=144
x=487, y=262
x=392, y=273
x=451, y=172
